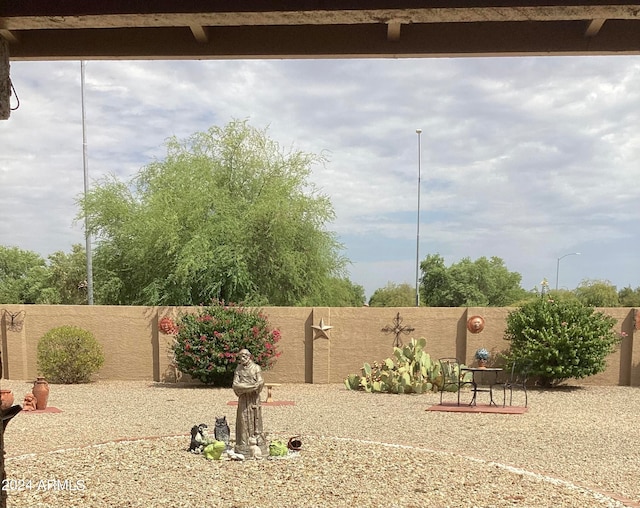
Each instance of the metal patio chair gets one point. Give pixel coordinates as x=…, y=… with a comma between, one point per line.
x=517, y=377
x=452, y=378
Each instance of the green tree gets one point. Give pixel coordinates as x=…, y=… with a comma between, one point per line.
x=481, y=283
x=68, y=275
x=560, y=340
x=394, y=295
x=227, y=214
x=597, y=293
x=24, y=277
x=336, y=292
x=629, y=297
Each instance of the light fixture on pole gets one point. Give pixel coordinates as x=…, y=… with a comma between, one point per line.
x=87, y=236
x=418, y=132
x=558, y=265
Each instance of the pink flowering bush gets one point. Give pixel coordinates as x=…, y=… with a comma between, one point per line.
x=207, y=342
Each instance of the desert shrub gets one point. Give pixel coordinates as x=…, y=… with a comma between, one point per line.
x=69, y=355
x=560, y=340
x=207, y=342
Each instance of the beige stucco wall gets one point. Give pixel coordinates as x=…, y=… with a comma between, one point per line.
x=135, y=349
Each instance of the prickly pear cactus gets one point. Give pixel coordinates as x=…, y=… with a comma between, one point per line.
x=409, y=370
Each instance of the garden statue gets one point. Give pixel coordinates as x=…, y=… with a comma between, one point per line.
x=247, y=385
x=30, y=402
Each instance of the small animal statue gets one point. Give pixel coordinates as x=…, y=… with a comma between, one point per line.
x=198, y=438
x=221, y=430
x=29, y=403
x=254, y=449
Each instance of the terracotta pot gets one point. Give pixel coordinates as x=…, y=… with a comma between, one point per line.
x=41, y=391
x=482, y=364
x=7, y=399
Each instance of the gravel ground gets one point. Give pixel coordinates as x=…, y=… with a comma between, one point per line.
x=123, y=444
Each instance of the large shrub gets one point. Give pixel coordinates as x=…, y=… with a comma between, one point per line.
x=69, y=354
x=560, y=340
x=207, y=342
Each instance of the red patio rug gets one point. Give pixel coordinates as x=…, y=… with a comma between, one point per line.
x=49, y=409
x=480, y=408
x=272, y=403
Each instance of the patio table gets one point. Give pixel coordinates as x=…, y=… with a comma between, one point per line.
x=477, y=372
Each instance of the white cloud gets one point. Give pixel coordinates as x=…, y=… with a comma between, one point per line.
x=522, y=158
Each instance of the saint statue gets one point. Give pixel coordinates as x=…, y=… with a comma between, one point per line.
x=247, y=385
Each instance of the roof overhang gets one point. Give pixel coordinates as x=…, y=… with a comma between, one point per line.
x=224, y=29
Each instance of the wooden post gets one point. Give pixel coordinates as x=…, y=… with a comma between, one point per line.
x=5, y=83
x=3, y=493
x=321, y=345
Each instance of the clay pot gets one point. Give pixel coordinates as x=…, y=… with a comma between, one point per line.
x=482, y=364
x=41, y=391
x=6, y=397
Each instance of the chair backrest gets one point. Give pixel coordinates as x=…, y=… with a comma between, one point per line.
x=519, y=372
x=450, y=369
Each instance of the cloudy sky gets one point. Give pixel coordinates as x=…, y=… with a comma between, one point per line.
x=527, y=159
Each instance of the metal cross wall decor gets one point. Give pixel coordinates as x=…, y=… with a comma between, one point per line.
x=397, y=329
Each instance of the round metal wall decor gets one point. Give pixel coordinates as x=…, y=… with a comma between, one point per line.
x=475, y=324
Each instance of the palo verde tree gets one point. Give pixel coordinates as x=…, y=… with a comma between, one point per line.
x=68, y=275
x=394, y=295
x=336, y=292
x=597, y=293
x=227, y=215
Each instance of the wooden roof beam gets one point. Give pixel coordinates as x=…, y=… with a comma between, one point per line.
x=393, y=31
x=8, y=35
x=200, y=33
x=594, y=27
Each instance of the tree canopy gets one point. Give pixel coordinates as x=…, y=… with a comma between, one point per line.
x=227, y=215
x=597, y=293
x=394, y=295
x=24, y=277
x=481, y=283
x=629, y=297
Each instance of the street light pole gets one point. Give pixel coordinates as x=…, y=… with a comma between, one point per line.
x=418, y=132
x=558, y=265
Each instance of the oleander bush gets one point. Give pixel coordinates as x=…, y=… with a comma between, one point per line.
x=207, y=342
x=69, y=355
x=560, y=340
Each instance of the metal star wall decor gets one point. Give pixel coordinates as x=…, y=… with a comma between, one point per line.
x=397, y=329
x=322, y=328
